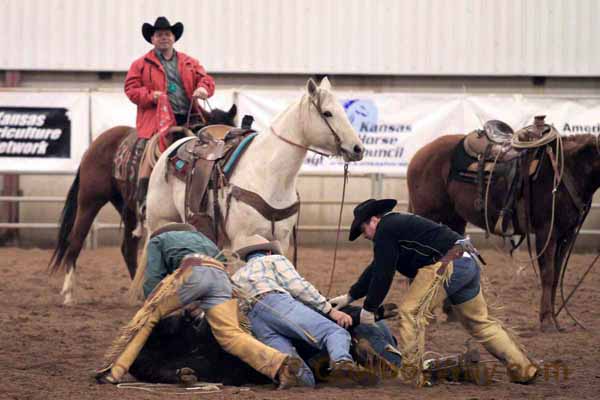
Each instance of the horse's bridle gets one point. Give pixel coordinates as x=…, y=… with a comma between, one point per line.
x=336, y=137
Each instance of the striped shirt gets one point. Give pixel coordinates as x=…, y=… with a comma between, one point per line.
x=276, y=273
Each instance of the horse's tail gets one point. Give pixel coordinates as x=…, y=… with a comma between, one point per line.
x=67, y=220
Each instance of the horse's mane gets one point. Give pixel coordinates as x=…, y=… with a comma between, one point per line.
x=578, y=141
x=578, y=138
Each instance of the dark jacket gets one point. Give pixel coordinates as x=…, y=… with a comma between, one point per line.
x=403, y=242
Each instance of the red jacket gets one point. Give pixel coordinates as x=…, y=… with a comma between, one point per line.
x=147, y=75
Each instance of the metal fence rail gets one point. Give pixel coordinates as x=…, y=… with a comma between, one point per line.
x=376, y=180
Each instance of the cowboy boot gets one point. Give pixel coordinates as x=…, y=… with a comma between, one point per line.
x=347, y=372
x=473, y=315
x=465, y=367
x=365, y=355
x=142, y=325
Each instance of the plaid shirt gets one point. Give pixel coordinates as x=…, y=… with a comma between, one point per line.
x=276, y=273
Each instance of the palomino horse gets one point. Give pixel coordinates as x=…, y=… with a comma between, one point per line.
x=269, y=167
x=451, y=202
x=94, y=186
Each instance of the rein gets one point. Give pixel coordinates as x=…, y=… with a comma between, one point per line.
x=337, y=237
x=189, y=113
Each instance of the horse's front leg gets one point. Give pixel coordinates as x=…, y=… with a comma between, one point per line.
x=547, y=275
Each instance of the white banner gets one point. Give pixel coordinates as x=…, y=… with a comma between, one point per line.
x=394, y=126
x=43, y=132
x=114, y=108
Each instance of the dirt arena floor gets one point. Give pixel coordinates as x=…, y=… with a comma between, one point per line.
x=48, y=351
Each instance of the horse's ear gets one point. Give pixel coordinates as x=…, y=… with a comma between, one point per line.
x=325, y=84
x=311, y=88
x=232, y=111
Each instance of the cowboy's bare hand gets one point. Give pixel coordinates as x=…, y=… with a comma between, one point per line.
x=156, y=94
x=342, y=319
x=201, y=93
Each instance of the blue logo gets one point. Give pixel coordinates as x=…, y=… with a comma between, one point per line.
x=361, y=113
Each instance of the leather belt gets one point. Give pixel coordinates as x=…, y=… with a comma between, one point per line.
x=200, y=260
x=261, y=296
x=454, y=253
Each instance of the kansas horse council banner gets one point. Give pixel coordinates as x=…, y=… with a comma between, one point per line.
x=393, y=126
x=45, y=132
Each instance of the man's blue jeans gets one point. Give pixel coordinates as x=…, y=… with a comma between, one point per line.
x=380, y=337
x=278, y=319
x=464, y=281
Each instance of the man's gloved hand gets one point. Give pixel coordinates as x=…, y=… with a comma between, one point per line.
x=341, y=301
x=201, y=93
x=367, y=317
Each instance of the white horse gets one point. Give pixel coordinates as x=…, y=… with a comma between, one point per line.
x=269, y=167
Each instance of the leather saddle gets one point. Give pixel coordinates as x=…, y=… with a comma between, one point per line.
x=489, y=154
x=492, y=142
x=204, y=164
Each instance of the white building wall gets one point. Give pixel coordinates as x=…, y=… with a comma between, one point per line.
x=384, y=37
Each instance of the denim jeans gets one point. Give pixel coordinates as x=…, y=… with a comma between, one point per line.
x=464, y=281
x=379, y=337
x=278, y=319
x=206, y=286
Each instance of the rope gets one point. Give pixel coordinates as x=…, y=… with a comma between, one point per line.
x=337, y=236
x=564, y=305
x=487, y=225
x=557, y=179
x=196, y=388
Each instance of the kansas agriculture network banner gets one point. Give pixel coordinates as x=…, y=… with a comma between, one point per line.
x=393, y=126
x=43, y=132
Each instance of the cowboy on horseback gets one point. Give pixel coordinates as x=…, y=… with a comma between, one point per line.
x=164, y=84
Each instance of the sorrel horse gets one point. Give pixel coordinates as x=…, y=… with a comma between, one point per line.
x=451, y=202
x=93, y=187
x=269, y=167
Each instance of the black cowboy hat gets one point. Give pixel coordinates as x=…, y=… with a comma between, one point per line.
x=366, y=210
x=161, y=23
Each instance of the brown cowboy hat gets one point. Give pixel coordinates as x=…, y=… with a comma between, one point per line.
x=160, y=24
x=366, y=210
x=257, y=243
x=173, y=226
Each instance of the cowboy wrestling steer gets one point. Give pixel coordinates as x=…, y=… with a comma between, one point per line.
x=182, y=348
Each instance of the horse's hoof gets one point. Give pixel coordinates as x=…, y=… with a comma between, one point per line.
x=69, y=300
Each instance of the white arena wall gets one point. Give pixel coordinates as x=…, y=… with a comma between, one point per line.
x=453, y=47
